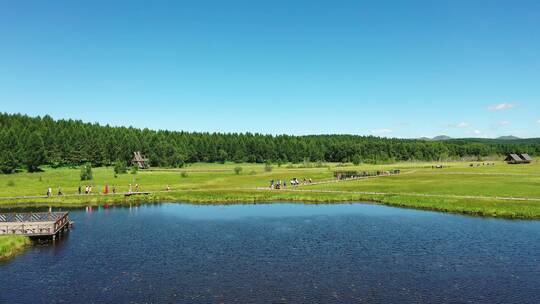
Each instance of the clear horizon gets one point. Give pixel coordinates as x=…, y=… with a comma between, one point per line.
x=405, y=70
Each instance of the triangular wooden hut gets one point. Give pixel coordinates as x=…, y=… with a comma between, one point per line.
x=526, y=158
x=513, y=159
x=140, y=160
x=518, y=158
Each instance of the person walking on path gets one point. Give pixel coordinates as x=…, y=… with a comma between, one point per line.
x=79, y=189
x=60, y=191
x=49, y=192
x=106, y=189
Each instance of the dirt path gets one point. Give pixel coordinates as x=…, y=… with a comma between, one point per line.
x=409, y=194
x=479, y=173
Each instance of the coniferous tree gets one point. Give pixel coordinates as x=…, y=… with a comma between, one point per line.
x=34, y=141
x=35, y=152
x=8, y=162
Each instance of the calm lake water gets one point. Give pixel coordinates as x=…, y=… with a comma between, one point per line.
x=279, y=253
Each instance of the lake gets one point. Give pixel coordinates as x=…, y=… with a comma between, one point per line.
x=278, y=253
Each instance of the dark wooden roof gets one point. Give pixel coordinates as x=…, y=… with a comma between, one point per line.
x=526, y=157
x=513, y=157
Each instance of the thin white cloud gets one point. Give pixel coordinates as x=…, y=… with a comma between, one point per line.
x=476, y=133
x=503, y=123
x=381, y=131
x=460, y=125
x=538, y=121
x=501, y=106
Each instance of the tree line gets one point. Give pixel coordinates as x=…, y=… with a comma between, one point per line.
x=29, y=142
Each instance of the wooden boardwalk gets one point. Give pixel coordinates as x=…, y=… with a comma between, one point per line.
x=41, y=224
x=136, y=193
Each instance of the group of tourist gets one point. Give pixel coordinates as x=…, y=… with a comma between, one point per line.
x=131, y=188
x=49, y=191
x=282, y=184
x=483, y=164
x=88, y=189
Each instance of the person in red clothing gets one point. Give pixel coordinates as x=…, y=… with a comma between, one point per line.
x=106, y=188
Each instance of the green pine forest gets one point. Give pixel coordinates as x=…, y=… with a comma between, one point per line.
x=29, y=142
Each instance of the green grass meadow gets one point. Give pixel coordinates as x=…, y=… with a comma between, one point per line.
x=479, y=190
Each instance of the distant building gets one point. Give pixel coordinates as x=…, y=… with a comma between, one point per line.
x=526, y=158
x=140, y=160
x=518, y=158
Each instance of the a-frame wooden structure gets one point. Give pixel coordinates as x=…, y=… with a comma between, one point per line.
x=140, y=160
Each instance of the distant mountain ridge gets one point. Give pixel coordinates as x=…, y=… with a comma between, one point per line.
x=445, y=137
x=508, y=137
x=442, y=137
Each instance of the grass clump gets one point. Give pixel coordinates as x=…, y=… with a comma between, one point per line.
x=11, y=245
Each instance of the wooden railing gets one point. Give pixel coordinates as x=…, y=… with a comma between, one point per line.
x=33, y=224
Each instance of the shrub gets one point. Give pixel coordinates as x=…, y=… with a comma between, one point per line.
x=238, y=170
x=134, y=170
x=184, y=174
x=356, y=160
x=120, y=167
x=86, y=172
x=268, y=166
x=252, y=172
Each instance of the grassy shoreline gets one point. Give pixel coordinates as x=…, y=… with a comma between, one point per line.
x=12, y=245
x=475, y=207
x=470, y=188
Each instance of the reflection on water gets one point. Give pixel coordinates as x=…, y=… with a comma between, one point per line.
x=290, y=253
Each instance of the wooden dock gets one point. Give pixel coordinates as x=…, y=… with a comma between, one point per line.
x=41, y=224
x=136, y=193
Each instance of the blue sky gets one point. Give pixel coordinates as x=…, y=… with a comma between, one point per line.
x=385, y=68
